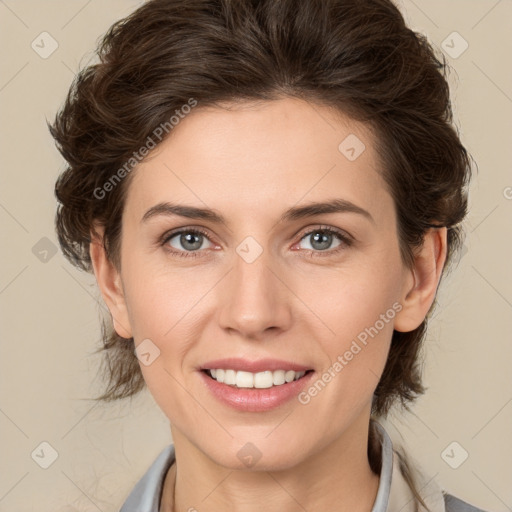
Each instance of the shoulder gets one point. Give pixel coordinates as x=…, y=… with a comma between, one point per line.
x=145, y=496
x=410, y=482
x=453, y=504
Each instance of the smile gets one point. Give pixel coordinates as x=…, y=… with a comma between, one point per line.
x=259, y=385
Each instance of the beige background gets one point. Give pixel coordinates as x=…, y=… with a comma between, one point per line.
x=49, y=311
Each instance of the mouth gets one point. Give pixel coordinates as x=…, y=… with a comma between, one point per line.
x=254, y=385
x=259, y=380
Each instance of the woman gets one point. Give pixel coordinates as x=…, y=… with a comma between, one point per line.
x=268, y=193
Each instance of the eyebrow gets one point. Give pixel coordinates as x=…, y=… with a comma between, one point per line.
x=294, y=213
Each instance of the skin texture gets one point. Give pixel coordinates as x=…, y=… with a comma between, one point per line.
x=250, y=162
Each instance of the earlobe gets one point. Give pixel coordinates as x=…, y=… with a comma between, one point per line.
x=421, y=282
x=109, y=282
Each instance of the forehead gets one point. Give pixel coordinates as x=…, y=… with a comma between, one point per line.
x=256, y=156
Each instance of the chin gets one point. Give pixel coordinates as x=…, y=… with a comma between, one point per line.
x=257, y=455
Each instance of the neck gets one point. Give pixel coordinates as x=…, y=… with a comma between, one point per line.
x=337, y=477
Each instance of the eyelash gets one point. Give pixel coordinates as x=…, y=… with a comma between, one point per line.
x=345, y=239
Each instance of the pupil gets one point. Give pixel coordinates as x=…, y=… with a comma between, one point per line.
x=188, y=239
x=325, y=239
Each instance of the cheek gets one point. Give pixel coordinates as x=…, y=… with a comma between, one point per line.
x=347, y=301
x=167, y=307
x=356, y=311
x=161, y=297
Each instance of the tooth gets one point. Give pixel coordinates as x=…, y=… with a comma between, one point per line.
x=260, y=380
x=230, y=377
x=244, y=379
x=278, y=377
x=263, y=379
x=289, y=375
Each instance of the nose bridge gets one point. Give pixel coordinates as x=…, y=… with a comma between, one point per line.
x=254, y=299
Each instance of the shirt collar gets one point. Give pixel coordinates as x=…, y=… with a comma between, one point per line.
x=393, y=493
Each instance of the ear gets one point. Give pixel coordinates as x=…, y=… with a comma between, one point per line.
x=109, y=282
x=422, y=280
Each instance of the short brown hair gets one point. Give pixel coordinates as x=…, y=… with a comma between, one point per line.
x=357, y=56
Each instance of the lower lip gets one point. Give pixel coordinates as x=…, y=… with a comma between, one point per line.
x=253, y=399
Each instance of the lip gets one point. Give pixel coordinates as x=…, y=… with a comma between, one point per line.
x=254, y=399
x=245, y=365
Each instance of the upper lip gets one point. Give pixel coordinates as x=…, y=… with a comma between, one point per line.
x=239, y=364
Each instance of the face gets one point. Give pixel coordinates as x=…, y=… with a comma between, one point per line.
x=267, y=283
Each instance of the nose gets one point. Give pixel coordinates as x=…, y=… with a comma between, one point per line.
x=255, y=300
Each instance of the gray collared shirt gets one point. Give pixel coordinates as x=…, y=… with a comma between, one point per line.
x=393, y=493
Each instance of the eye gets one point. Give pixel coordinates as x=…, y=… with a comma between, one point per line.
x=187, y=242
x=321, y=239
